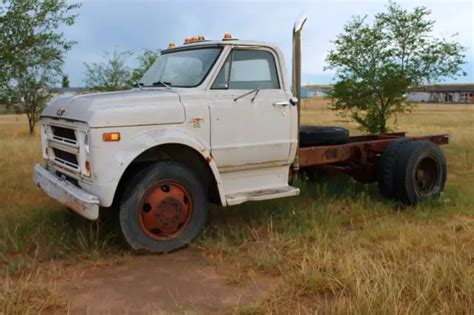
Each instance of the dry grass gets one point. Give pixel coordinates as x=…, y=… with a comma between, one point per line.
x=33, y=293
x=338, y=248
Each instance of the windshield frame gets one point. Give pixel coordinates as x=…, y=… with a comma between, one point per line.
x=180, y=49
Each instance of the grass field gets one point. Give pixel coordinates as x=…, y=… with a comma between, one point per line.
x=339, y=248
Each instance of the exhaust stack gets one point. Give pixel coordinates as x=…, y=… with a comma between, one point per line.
x=296, y=78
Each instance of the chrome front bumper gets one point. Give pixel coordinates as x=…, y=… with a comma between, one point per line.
x=66, y=193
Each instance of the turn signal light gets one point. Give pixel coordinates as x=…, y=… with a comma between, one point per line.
x=88, y=167
x=111, y=136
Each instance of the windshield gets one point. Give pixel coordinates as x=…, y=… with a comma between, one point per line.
x=185, y=68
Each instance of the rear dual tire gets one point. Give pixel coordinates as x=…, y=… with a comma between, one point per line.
x=412, y=171
x=386, y=167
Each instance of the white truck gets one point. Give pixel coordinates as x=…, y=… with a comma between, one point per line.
x=210, y=122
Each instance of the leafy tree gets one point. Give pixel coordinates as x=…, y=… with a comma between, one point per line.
x=144, y=63
x=65, y=81
x=377, y=64
x=114, y=74
x=111, y=75
x=32, y=51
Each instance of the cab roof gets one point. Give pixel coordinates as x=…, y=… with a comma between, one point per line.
x=224, y=42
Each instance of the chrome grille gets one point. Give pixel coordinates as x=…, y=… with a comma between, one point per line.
x=65, y=135
x=66, y=158
x=63, y=145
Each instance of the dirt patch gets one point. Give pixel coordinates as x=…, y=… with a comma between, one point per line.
x=175, y=283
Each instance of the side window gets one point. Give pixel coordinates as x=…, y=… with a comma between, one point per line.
x=222, y=80
x=249, y=69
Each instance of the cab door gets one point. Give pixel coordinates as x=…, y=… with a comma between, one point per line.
x=250, y=114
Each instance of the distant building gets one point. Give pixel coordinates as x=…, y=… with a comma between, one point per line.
x=429, y=93
x=443, y=93
x=315, y=90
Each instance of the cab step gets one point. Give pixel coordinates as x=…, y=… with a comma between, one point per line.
x=263, y=194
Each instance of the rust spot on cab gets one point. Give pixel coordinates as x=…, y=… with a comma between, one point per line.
x=209, y=159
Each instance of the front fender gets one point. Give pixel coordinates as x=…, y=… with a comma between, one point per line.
x=111, y=159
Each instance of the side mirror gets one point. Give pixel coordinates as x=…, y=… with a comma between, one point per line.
x=293, y=101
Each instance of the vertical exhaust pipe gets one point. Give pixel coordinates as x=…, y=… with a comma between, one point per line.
x=296, y=81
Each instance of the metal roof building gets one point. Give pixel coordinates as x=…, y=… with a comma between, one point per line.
x=443, y=93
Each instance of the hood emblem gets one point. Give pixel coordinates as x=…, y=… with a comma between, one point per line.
x=60, y=111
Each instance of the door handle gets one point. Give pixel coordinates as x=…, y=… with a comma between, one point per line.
x=284, y=104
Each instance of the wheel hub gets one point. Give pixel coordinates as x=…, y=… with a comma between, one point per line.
x=426, y=176
x=165, y=210
x=169, y=212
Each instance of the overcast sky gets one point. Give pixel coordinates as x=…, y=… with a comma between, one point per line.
x=104, y=25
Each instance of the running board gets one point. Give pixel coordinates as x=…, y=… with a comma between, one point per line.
x=264, y=194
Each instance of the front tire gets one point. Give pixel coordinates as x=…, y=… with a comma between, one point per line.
x=164, y=209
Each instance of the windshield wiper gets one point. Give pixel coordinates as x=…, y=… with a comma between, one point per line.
x=256, y=91
x=138, y=85
x=161, y=83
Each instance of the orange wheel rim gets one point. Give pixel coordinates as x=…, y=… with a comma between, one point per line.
x=165, y=210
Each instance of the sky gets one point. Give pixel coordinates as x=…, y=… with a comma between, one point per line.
x=105, y=25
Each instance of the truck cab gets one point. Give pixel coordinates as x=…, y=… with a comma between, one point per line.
x=220, y=111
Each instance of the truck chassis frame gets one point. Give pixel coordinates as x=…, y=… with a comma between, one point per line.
x=357, y=158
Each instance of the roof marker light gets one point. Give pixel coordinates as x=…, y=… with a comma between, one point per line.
x=227, y=36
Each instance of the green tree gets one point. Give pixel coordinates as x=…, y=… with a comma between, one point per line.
x=376, y=65
x=111, y=75
x=32, y=51
x=65, y=81
x=114, y=74
x=144, y=63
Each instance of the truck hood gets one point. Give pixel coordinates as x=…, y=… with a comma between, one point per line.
x=115, y=109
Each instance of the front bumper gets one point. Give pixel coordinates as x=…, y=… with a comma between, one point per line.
x=66, y=193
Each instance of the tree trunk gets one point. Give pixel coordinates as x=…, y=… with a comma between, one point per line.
x=383, y=117
x=383, y=124
x=31, y=123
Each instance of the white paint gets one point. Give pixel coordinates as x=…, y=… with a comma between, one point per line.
x=249, y=145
